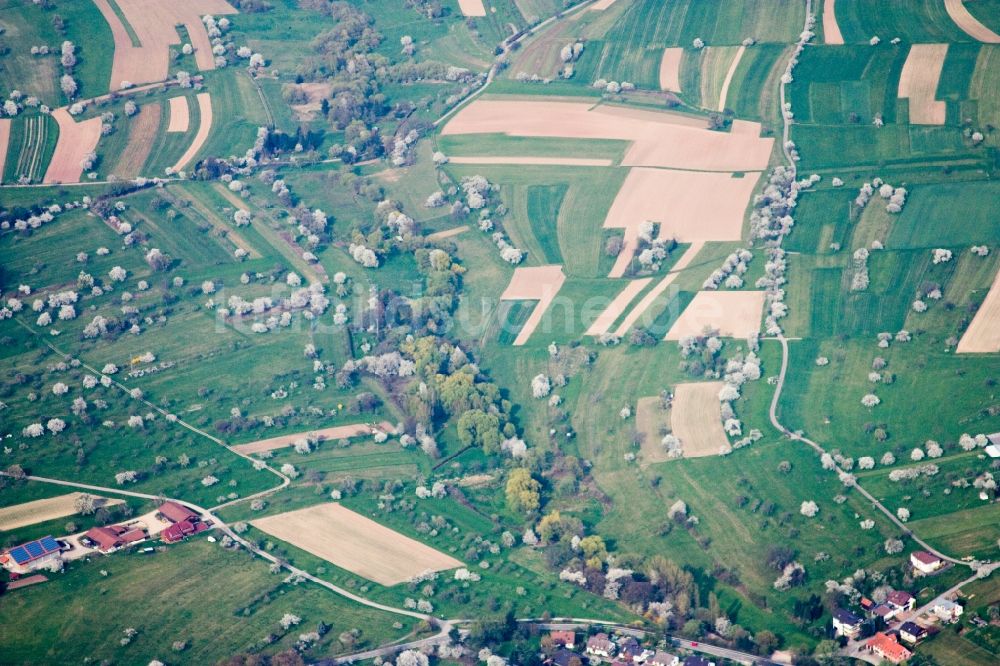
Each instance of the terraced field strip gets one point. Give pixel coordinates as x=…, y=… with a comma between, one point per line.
x=969, y=24
x=33, y=139
x=180, y=117
x=533, y=283
x=358, y=544
x=76, y=140
x=670, y=69
x=918, y=82
x=696, y=419
x=729, y=77
x=50, y=508
x=204, y=127
x=611, y=314
x=324, y=434
x=734, y=314
x=4, y=143
x=141, y=135
x=983, y=334
x=831, y=29
x=640, y=309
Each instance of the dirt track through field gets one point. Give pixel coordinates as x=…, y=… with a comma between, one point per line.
x=918, y=82
x=696, y=419
x=831, y=29
x=611, y=314
x=670, y=69
x=180, y=115
x=688, y=205
x=142, y=133
x=447, y=233
x=640, y=309
x=324, y=434
x=76, y=139
x=472, y=7
x=4, y=143
x=534, y=283
x=983, y=334
x=358, y=544
x=659, y=139
x=735, y=314
x=729, y=77
x=545, y=161
x=204, y=127
x=969, y=23
x=39, y=511
x=153, y=22
x=601, y=5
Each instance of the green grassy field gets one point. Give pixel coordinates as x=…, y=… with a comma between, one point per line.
x=32, y=142
x=29, y=24
x=163, y=597
x=632, y=48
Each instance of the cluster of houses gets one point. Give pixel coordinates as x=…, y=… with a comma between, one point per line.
x=175, y=522
x=615, y=650
x=892, y=644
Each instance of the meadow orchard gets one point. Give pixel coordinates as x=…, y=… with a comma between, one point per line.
x=375, y=331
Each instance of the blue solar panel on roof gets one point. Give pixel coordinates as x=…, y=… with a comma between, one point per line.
x=34, y=548
x=49, y=544
x=20, y=555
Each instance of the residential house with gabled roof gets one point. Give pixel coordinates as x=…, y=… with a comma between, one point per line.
x=563, y=638
x=698, y=660
x=600, y=645
x=846, y=623
x=112, y=537
x=912, y=632
x=887, y=647
x=663, y=659
x=924, y=562
x=175, y=513
x=900, y=600
x=564, y=657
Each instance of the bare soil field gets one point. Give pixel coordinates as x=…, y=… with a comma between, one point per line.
x=50, y=508
x=983, y=334
x=611, y=314
x=969, y=23
x=670, y=69
x=601, y=5
x=153, y=23
x=180, y=115
x=353, y=542
x=831, y=29
x=688, y=205
x=140, y=141
x=735, y=314
x=918, y=82
x=652, y=421
x=534, y=283
x=729, y=77
x=547, y=161
x=4, y=143
x=472, y=7
x=640, y=309
x=659, y=139
x=75, y=141
x=204, y=127
x=324, y=434
x=696, y=419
